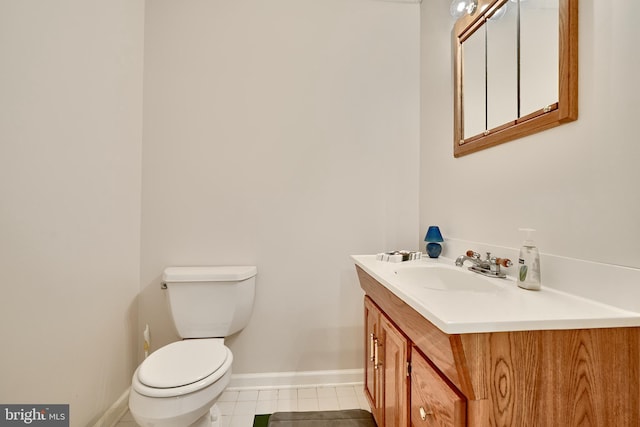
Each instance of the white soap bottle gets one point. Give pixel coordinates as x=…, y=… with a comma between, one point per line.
x=529, y=263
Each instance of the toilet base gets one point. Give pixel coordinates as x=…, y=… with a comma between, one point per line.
x=211, y=419
x=179, y=411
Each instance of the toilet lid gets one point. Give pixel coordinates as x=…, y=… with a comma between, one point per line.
x=183, y=362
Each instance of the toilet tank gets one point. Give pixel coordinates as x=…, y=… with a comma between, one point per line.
x=210, y=302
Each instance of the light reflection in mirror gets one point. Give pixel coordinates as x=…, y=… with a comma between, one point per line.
x=502, y=66
x=539, y=54
x=474, y=84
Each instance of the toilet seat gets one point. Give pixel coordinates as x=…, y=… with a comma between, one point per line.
x=183, y=367
x=181, y=363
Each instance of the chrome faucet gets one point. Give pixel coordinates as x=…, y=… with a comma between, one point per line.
x=472, y=256
x=490, y=266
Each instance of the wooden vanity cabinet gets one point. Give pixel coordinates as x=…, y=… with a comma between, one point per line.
x=539, y=378
x=386, y=370
x=401, y=385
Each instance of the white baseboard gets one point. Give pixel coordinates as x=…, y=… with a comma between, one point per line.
x=112, y=415
x=271, y=380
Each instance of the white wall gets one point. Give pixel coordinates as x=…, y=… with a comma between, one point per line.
x=70, y=153
x=282, y=134
x=576, y=184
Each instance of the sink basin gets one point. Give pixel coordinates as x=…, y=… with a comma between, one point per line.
x=442, y=278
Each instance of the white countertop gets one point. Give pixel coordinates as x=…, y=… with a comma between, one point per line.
x=505, y=307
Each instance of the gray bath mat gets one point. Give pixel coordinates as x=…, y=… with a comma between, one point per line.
x=348, y=418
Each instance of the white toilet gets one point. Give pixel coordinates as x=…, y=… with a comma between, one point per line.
x=178, y=385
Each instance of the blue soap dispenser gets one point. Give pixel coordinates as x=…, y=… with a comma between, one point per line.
x=529, y=263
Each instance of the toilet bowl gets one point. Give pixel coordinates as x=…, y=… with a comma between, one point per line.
x=178, y=384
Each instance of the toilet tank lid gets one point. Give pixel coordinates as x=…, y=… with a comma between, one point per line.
x=209, y=273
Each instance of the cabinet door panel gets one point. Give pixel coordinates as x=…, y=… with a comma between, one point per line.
x=434, y=403
x=396, y=384
x=372, y=383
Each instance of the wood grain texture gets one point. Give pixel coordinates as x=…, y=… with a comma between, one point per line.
x=396, y=383
x=568, y=378
x=373, y=381
x=386, y=380
x=441, y=404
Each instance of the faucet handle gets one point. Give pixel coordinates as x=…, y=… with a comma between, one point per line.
x=505, y=262
x=472, y=254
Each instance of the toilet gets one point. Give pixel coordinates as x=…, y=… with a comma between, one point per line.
x=179, y=384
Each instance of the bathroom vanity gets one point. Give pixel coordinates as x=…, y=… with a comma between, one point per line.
x=493, y=356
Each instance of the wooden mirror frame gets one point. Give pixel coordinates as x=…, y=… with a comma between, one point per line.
x=563, y=111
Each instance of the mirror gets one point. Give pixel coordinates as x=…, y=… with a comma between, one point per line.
x=502, y=66
x=539, y=53
x=515, y=70
x=475, y=84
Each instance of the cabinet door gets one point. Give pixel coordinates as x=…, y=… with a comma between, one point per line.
x=373, y=379
x=434, y=403
x=396, y=381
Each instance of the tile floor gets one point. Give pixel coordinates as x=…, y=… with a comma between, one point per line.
x=239, y=407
